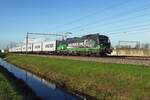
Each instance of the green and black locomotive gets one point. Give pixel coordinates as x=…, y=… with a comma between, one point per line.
x=93, y=44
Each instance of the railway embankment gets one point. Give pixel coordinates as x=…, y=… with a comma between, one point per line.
x=145, y=61
x=92, y=79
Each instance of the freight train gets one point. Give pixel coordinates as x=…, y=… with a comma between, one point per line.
x=92, y=44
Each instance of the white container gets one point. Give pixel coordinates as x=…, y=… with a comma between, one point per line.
x=49, y=46
x=30, y=47
x=23, y=48
x=10, y=50
x=37, y=47
x=19, y=49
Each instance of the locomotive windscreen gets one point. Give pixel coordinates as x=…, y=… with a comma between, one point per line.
x=103, y=39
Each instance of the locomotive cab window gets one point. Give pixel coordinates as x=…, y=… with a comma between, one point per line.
x=103, y=39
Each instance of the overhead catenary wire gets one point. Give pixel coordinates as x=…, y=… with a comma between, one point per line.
x=92, y=14
x=115, y=16
x=117, y=28
x=117, y=21
x=133, y=29
x=125, y=32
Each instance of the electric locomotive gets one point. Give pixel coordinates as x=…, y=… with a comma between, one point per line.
x=92, y=44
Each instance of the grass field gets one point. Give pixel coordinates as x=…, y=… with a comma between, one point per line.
x=13, y=89
x=98, y=80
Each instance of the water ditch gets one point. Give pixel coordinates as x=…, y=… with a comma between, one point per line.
x=41, y=87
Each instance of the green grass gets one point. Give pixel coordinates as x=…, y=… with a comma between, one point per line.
x=12, y=88
x=98, y=80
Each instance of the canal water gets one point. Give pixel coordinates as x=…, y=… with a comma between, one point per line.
x=42, y=88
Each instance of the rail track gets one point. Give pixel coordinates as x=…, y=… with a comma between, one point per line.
x=130, y=57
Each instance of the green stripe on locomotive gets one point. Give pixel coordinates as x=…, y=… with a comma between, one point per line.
x=97, y=49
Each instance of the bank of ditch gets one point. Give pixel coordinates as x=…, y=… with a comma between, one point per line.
x=94, y=80
x=12, y=88
x=3, y=55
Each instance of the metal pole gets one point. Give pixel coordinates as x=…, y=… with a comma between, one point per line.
x=27, y=43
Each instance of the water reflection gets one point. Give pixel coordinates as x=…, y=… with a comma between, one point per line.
x=41, y=87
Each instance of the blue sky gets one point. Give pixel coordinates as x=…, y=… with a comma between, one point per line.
x=119, y=19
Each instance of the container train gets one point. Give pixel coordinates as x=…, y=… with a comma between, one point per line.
x=92, y=44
